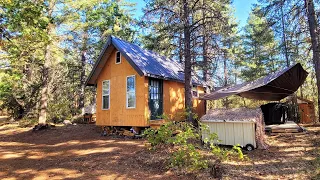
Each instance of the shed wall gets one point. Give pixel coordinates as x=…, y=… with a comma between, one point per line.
x=232, y=133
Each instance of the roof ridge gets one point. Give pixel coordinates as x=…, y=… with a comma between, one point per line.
x=145, y=62
x=148, y=50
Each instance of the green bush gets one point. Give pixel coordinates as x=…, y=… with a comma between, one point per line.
x=187, y=156
x=160, y=136
x=182, y=136
x=185, y=140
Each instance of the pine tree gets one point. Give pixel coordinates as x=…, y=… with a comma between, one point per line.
x=43, y=47
x=313, y=29
x=183, y=22
x=90, y=22
x=260, y=53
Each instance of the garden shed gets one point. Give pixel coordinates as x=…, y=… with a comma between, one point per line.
x=237, y=126
x=306, y=109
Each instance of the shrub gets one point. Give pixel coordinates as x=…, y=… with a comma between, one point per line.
x=181, y=135
x=188, y=156
x=185, y=140
x=160, y=136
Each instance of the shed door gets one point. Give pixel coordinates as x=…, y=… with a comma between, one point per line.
x=305, y=114
x=155, y=98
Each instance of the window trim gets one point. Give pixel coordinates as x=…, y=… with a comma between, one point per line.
x=194, y=86
x=116, y=57
x=105, y=95
x=135, y=94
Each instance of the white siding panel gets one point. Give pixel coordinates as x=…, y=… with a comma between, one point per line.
x=238, y=134
x=232, y=133
x=221, y=132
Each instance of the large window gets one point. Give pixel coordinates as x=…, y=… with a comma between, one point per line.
x=106, y=94
x=131, y=91
x=118, y=57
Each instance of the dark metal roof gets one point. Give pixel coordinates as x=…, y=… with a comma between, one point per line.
x=145, y=62
x=273, y=87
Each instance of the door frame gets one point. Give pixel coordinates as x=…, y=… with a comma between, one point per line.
x=160, y=96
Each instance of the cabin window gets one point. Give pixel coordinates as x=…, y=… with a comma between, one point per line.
x=131, y=91
x=106, y=94
x=118, y=57
x=195, y=91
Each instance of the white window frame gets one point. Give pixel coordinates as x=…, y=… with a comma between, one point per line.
x=116, y=57
x=105, y=94
x=135, y=95
x=194, y=86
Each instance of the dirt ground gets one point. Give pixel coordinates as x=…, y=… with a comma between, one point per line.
x=80, y=152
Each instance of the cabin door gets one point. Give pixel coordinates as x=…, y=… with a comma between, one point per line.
x=155, y=98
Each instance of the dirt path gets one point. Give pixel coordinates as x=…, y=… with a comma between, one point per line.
x=79, y=152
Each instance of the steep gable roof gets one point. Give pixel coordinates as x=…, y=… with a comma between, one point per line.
x=145, y=62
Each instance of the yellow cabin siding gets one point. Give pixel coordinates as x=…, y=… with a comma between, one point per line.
x=119, y=114
x=173, y=100
x=199, y=105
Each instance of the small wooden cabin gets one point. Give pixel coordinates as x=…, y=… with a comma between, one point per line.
x=136, y=86
x=307, y=111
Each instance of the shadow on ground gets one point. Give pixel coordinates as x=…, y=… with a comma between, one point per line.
x=79, y=152
x=74, y=152
x=290, y=156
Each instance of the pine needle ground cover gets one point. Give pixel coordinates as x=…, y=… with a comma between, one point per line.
x=80, y=152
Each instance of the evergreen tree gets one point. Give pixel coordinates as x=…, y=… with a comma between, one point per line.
x=186, y=24
x=89, y=24
x=260, y=53
x=44, y=46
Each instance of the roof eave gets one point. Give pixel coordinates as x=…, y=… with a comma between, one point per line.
x=123, y=53
x=107, y=44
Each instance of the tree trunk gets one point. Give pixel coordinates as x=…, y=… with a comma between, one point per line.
x=225, y=70
x=204, y=48
x=83, y=72
x=82, y=82
x=314, y=43
x=187, y=61
x=180, y=48
x=284, y=38
x=46, y=71
x=44, y=90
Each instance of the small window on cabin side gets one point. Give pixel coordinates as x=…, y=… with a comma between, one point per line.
x=118, y=57
x=106, y=94
x=131, y=92
x=195, y=91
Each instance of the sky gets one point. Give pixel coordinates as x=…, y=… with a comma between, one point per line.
x=242, y=9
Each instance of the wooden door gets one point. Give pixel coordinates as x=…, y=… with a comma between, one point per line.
x=305, y=114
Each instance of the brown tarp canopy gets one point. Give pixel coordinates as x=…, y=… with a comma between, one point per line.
x=273, y=87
